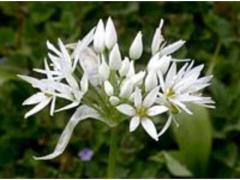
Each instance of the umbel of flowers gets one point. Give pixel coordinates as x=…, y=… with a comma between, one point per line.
x=101, y=83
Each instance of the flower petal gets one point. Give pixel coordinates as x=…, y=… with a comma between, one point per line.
x=33, y=81
x=69, y=106
x=155, y=110
x=137, y=98
x=126, y=109
x=166, y=126
x=38, y=107
x=34, y=99
x=149, y=128
x=52, y=107
x=134, y=123
x=171, y=48
x=151, y=97
x=181, y=105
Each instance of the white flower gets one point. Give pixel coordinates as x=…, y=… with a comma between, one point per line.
x=182, y=87
x=98, y=41
x=115, y=58
x=142, y=111
x=136, y=49
x=61, y=61
x=99, y=85
x=110, y=34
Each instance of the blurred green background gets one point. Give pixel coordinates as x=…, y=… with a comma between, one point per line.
x=207, y=145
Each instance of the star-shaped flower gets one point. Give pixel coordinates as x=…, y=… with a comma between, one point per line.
x=143, y=110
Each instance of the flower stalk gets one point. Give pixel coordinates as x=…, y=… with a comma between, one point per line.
x=111, y=170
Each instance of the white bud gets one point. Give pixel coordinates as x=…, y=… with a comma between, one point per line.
x=114, y=100
x=125, y=67
x=138, y=78
x=151, y=81
x=153, y=63
x=115, y=58
x=136, y=48
x=98, y=40
x=108, y=88
x=157, y=39
x=131, y=70
x=104, y=70
x=126, y=89
x=164, y=63
x=159, y=64
x=84, y=83
x=110, y=34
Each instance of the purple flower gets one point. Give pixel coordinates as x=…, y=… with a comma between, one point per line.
x=86, y=154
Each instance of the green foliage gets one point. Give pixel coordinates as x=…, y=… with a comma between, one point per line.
x=205, y=145
x=194, y=138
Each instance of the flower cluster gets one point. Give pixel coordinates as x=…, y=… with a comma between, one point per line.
x=95, y=78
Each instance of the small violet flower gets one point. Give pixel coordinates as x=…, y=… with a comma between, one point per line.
x=86, y=154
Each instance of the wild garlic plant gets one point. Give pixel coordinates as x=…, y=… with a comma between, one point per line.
x=93, y=77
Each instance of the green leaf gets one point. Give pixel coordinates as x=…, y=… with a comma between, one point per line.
x=175, y=167
x=7, y=74
x=194, y=138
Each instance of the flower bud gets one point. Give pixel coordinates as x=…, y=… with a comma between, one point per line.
x=125, y=67
x=164, y=63
x=110, y=34
x=108, y=88
x=159, y=64
x=104, y=70
x=136, y=48
x=131, y=70
x=114, y=100
x=138, y=78
x=98, y=40
x=157, y=39
x=115, y=58
x=126, y=89
x=84, y=83
x=151, y=81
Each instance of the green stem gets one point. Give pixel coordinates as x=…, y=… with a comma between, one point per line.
x=214, y=59
x=112, y=154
